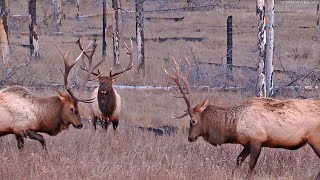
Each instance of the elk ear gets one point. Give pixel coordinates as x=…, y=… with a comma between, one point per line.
x=61, y=95
x=201, y=107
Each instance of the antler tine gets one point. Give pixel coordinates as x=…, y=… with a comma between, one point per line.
x=81, y=47
x=92, y=66
x=67, y=67
x=130, y=65
x=179, y=117
x=184, y=94
x=189, y=68
x=96, y=74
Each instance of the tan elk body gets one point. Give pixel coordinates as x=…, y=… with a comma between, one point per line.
x=30, y=111
x=25, y=114
x=256, y=123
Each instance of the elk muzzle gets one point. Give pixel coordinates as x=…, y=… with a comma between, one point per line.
x=192, y=138
x=78, y=126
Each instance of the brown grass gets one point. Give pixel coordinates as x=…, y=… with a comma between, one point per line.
x=132, y=154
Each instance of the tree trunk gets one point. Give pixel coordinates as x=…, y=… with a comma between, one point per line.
x=270, y=48
x=140, y=35
x=229, y=47
x=4, y=33
x=33, y=37
x=104, y=28
x=57, y=13
x=318, y=14
x=261, y=47
x=116, y=50
x=78, y=8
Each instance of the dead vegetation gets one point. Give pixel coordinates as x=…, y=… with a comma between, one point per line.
x=136, y=154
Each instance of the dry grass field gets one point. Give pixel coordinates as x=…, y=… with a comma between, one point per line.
x=134, y=154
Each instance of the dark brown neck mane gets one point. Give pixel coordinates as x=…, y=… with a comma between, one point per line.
x=52, y=122
x=107, y=101
x=224, y=121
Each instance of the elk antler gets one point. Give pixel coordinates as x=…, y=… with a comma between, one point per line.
x=67, y=67
x=129, y=52
x=89, y=54
x=184, y=79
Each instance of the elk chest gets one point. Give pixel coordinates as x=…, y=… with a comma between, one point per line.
x=107, y=103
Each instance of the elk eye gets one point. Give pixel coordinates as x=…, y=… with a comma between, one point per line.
x=193, y=121
x=71, y=109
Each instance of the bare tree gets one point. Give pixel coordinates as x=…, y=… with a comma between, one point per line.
x=261, y=47
x=318, y=14
x=140, y=34
x=33, y=37
x=4, y=33
x=116, y=50
x=269, y=48
x=229, y=47
x=57, y=14
x=78, y=8
x=104, y=28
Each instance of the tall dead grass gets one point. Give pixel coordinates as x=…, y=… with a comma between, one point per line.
x=134, y=154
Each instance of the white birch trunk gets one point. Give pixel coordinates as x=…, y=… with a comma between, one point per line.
x=270, y=48
x=116, y=50
x=140, y=35
x=33, y=37
x=261, y=47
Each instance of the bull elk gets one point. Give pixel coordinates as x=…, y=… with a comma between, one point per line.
x=25, y=114
x=106, y=101
x=256, y=123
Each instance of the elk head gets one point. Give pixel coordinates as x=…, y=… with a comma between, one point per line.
x=106, y=82
x=197, y=127
x=70, y=111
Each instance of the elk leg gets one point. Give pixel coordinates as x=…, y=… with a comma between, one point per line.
x=243, y=155
x=39, y=137
x=255, y=149
x=20, y=141
x=115, y=124
x=106, y=123
x=315, y=146
x=94, y=122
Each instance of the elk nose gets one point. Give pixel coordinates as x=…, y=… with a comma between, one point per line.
x=190, y=139
x=79, y=126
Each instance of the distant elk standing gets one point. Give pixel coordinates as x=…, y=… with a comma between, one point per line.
x=256, y=123
x=25, y=114
x=106, y=101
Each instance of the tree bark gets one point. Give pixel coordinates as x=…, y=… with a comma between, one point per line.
x=229, y=47
x=116, y=40
x=318, y=14
x=4, y=33
x=33, y=37
x=270, y=48
x=140, y=35
x=261, y=47
x=104, y=28
x=78, y=8
x=57, y=13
